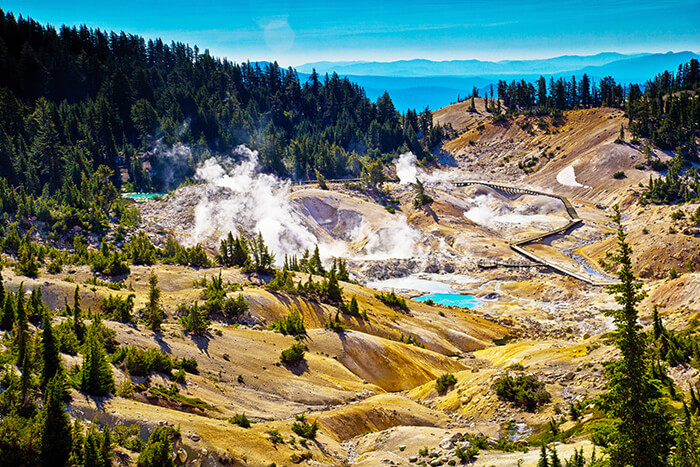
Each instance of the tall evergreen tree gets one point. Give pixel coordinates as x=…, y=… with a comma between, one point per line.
x=78, y=324
x=641, y=430
x=56, y=433
x=96, y=376
x=153, y=307
x=8, y=313
x=51, y=359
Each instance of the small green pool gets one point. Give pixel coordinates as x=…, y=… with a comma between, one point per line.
x=143, y=196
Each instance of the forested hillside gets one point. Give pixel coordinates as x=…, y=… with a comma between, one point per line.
x=74, y=99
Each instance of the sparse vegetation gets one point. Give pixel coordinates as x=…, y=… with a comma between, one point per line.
x=303, y=428
x=240, y=420
x=392, y=300
x=290, y=325
x=293, y=354
x=523, y=390
x=445, y=381
x=142, y=362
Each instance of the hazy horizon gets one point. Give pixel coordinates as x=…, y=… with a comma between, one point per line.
x=295, y=33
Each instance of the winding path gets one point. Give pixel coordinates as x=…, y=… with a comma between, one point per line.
x=518, y=246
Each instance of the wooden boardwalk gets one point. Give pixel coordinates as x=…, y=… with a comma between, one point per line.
x=518, y=246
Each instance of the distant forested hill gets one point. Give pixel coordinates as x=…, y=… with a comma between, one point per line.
x=75, y=99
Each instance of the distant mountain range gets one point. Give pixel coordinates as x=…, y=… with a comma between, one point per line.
x=422, y=67
x=420, y=83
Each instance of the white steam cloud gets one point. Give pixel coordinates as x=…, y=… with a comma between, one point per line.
x=170, y=164
x=408, y=172
x=235, y=195
x=488, y=210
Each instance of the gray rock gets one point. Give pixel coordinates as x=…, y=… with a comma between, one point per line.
x=446, y=443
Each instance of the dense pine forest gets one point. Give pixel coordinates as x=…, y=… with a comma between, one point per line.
x=80, y=106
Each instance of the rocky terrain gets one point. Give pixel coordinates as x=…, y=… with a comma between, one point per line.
x=373, y=394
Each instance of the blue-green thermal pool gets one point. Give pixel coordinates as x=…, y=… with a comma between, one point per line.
x=143, y=196
x=451, y=299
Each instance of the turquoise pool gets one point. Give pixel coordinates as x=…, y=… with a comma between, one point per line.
x=451, y=299
x=142, y=196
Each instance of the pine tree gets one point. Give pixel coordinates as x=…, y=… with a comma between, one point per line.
x=333, y=292
x=315, y=265
x=641, y=431
x=554, y=457
x=51, y=359
x=155, y=313
x=2, y=293
x=353, y=308
x=195, y=322
x=77, y=455
x=78, y=325
x=56, y=436
x=97, y=451
x=8, y=313
x=263, y=259
x=96, y=376
x=156, y=453
x=544, y=458
x=22, y=344
x=21, y=328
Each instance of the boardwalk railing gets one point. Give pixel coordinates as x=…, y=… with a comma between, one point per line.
x=518, y=246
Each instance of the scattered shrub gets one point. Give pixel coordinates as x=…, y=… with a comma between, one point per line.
x=140, y=362
x=303, y=428
x=294, y=354
x=240, y=420
x=290, y=325
x=195, y=322
x=445, y=381
x=187, y=364
x=467, y=453
x=525, y=391
x=179, y=376
x=276, y=437
x=118, y=308
x=619, y=175
x=392, y=300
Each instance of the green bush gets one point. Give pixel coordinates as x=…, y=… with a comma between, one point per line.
x=303, y=428
x=127, y=437
x=276, y=437
x=445, y=381
x=118, y=308
x=240, y=420
x=187, y=364
x=467, y=453
x=141, y=250
x=235, y=306
x=294, y=354
x=392, y=300
x=290, y=325
x=195, y=322
x=619, y=175
x=140, y=362
x=179, y=376
x=524, y=390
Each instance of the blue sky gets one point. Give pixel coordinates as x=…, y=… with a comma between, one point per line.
x=295, y=32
